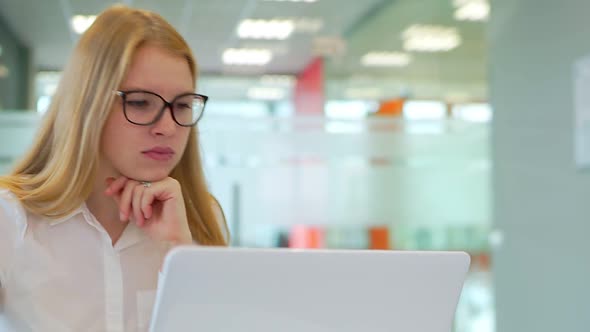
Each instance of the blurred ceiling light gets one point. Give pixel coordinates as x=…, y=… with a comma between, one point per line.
x=385, y=59
x=424, y=110
x=266, y=93
x=430, y=38
x=472, y=10
x=266, y=29
x=475, y=112
x=280, y=80
x=247, y=56
x=81, y=23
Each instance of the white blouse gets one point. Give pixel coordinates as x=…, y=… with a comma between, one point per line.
x=65, y=275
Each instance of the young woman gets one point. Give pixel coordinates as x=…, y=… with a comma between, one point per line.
x=113, y=180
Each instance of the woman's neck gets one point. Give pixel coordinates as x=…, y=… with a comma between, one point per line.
x=105, y=209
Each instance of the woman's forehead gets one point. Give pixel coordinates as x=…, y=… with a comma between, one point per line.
x=155, y=69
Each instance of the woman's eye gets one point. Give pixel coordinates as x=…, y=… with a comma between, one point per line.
x=183, y=106
x=137, y=103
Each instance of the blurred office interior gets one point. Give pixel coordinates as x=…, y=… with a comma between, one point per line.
x=375, y=124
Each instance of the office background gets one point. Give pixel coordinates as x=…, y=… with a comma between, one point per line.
x=377, y=124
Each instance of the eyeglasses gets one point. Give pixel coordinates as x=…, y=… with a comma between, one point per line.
x=145, y=108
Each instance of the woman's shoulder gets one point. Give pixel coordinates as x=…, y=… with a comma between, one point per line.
x=12, y=213
x=9, y=202
x=13, y=225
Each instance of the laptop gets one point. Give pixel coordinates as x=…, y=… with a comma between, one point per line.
x=290, y=290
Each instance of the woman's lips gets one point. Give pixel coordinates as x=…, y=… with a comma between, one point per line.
x=159, y=153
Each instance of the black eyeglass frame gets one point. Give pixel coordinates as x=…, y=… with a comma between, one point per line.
x=167, y=104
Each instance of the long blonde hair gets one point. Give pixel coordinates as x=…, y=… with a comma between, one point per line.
x=57, y=174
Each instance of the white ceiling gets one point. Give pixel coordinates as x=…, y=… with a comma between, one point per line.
x=210, y=27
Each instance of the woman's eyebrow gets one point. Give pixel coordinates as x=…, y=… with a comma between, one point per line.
x=134, y=88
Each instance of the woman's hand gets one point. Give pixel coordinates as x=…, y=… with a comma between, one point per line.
x=156, y=207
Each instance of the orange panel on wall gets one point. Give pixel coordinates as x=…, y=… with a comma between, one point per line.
x=379, y=238
x=393, y=107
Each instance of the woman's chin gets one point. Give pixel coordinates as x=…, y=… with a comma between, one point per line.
x=147, y=176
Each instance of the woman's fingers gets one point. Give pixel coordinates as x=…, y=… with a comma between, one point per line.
x=157, y=208
x=114, y=186
x=146, y=202
x=135, y=200
x=125, y=199
x=130, y=196
x=138, y=192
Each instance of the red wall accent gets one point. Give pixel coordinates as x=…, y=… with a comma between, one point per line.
x=309, y=89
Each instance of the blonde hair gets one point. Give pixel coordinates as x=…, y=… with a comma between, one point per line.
x=57, y=174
